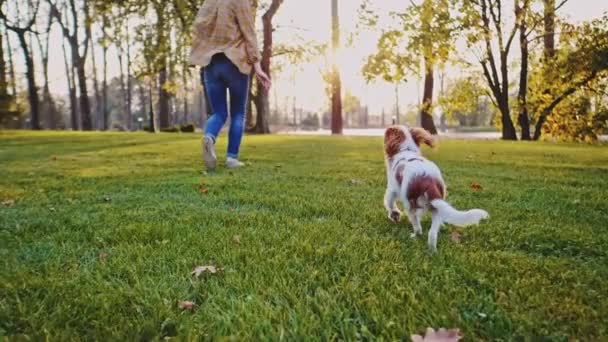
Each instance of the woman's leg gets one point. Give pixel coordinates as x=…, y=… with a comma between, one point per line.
x=216, y=94
x=238, y=86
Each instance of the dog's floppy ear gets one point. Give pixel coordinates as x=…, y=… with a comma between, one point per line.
x=422, y=136
x=393, y=138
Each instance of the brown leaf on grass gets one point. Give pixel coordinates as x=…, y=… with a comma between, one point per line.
x=456, y=236
x=187, y=305
x=441, y=335
x=54, y=158
x=200, y=270
x=356, y=181
x=203, y=189
x=236, y=239
x=9, y=202
x=103, y=256
x=476, y=186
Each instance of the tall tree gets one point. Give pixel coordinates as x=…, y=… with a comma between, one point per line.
x=71, y=79
x=163, y=51
x=79, y=49
x=485, y=22
x=100, y=121
x=49, y=109
x=262, y=98
x=22, y=32
x=336, y=82
x=523, y=117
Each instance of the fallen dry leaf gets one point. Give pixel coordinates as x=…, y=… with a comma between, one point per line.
x=9, y=202
x=441, y=335
x=187, y=305
x=103, y=256
x=202, y=189
x=476, y=186
x=54, y=158
x=236, y=239
x=456, y=236
x=206, y=270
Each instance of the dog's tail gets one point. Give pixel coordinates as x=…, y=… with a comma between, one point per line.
x=457, y=217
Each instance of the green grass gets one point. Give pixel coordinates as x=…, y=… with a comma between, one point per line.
x=107, y=227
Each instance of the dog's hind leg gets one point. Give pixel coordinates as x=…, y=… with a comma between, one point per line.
x=434, y=231
x=415, y=215
x=390, y=203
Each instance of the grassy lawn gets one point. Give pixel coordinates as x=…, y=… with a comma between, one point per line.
x=106, y=227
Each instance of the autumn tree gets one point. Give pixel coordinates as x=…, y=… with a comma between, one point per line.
x=486, y=28
x=581, y=63
x=424, y=41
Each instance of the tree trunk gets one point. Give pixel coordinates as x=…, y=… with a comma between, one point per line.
x=32, y=89
x=397, y=109
x=163, y=98
x=523, y=118
x=85, y=105
x=143, y=102
x=426, y=115
x=263, y=110
x=129, y=94
x=123, y=86
x=549, y=55
x=104, y=86
x=6, y=100
x=151, y=108
x=185, y=80
x=99, y=118
x=336, y=82
x=78, y=59
x=11, y=65
x=508, y=130
x=48, y=104
x=69, y=72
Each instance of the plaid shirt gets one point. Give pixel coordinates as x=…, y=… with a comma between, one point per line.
x=225, y=26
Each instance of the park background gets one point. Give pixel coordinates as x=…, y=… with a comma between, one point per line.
x=106, y=210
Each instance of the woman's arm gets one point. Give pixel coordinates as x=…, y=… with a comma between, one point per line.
x=244, y=17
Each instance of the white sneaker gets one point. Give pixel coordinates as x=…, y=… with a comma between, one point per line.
x=209, y=156
x=233, y=163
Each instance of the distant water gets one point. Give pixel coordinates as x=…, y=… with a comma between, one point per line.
x=378, y=132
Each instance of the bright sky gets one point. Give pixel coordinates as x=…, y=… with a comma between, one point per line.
x=311, y=19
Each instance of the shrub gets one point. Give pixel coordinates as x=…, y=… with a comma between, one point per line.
x=172, y=129
x=188, y=128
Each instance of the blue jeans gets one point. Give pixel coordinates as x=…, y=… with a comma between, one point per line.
x=221, y=75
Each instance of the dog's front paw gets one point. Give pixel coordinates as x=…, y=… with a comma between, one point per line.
x=394, y=215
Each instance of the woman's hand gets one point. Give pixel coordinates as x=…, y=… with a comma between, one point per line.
x=262, y=76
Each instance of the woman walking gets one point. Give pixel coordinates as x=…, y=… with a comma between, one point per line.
x=226, y=48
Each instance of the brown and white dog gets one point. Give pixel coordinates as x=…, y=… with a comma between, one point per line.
x=417, y=183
